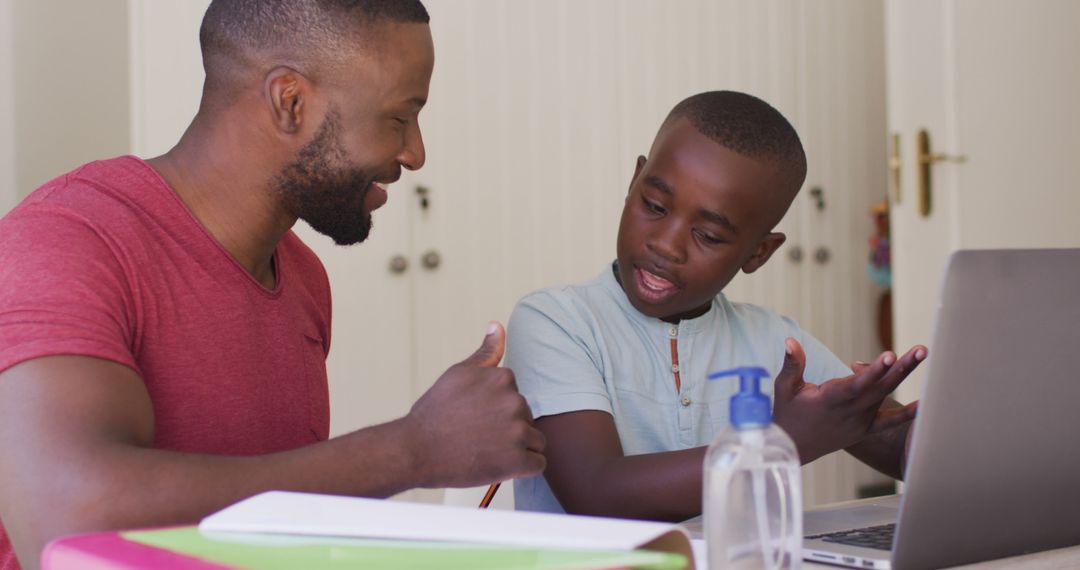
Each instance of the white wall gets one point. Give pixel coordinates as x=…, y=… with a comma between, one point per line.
x=70, y=85
x=166, y=71
x=8, y=194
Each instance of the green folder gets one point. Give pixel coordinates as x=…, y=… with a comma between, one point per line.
x=280, y=552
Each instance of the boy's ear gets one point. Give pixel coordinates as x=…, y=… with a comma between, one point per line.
x=768, y=245
x=637, y=171
x=287, y=92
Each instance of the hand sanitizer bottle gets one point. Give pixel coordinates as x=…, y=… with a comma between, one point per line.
x=753, y=486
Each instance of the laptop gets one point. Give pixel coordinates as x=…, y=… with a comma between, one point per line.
x=994, y=464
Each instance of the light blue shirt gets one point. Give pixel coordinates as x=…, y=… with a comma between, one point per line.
x=585, y=347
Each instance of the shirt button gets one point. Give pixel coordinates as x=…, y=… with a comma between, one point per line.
x=675, y=368
x=685, y=400
x=673, y=331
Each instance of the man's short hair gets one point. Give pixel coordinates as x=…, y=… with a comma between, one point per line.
x=748, y=126
x=309, y=35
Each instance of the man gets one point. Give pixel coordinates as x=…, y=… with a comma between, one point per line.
x=163, y=333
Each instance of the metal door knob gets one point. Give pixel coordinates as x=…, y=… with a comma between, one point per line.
x=398, y=264
x=795, y=254
x=822, y=254
x=431, y=259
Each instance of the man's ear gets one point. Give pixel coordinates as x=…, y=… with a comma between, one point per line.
x=287, y=92
x=637, y=171
x=765, y=248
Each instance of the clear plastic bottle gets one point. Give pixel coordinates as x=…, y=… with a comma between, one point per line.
x=753, y=486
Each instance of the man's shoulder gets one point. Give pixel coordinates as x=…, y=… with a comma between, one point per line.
x=101, y=176
x=102, y=193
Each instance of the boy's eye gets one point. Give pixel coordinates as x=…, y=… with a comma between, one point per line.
x=653, y=206
x=709, y=238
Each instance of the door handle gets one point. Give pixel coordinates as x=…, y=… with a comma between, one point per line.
x=894, y=165
x=925, y=158
x=423, y=193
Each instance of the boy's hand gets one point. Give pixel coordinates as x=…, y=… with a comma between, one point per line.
x=473, y=426
x=842, y=411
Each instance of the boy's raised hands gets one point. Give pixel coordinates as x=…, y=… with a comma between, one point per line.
x=841, y=412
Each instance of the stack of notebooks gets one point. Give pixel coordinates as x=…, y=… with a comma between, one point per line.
x=279, y=530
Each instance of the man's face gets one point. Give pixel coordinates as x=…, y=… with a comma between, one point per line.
x=370, y=131
x=696, y=214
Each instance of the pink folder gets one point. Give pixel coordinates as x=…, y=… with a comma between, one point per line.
x=110, y=551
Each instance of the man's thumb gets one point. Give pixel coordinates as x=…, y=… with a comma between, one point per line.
x=790, y=378
x=491, y=350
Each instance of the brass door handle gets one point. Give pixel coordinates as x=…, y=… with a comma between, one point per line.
x=895, y=164
x=423, y=193
x=925, y=158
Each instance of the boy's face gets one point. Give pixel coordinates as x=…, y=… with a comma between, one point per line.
x=696, y=214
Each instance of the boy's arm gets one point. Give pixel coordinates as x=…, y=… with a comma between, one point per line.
x=76, y=433
x=885, y=451
x=589, y=474
x=847, y=413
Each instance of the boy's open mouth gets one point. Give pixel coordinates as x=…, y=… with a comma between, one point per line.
x=652, y=287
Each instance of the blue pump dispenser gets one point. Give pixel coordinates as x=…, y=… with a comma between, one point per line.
x=749, y=409
x=752, y=485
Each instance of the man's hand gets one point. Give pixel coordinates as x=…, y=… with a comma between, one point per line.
x=843, y=411
x=473, y=426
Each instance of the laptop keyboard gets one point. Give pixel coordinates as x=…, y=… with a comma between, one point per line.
x=878, y=537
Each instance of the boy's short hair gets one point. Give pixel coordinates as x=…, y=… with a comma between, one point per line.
x=748, y=126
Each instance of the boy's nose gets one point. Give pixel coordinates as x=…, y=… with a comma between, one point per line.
x=668, y=246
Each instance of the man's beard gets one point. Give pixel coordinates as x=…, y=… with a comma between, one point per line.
x=328, y=197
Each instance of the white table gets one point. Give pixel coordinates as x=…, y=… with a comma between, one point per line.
x=1062, y=558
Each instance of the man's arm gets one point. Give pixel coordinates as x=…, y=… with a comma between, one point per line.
x=76, y=434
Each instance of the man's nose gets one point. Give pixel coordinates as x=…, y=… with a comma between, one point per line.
x=413, y=155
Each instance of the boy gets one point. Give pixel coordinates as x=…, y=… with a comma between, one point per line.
x=614, y=369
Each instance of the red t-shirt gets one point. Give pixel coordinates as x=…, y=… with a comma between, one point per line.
x=106, y=261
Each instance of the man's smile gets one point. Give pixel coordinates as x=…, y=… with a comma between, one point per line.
x=376, y=196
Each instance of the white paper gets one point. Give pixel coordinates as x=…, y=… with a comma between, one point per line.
x=283, y=512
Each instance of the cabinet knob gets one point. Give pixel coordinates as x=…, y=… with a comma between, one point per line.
x=822, y=255
x=795, y=253
x=431, y=259
x=398, y=264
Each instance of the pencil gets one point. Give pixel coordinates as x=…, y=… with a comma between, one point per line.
x=489, y=495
